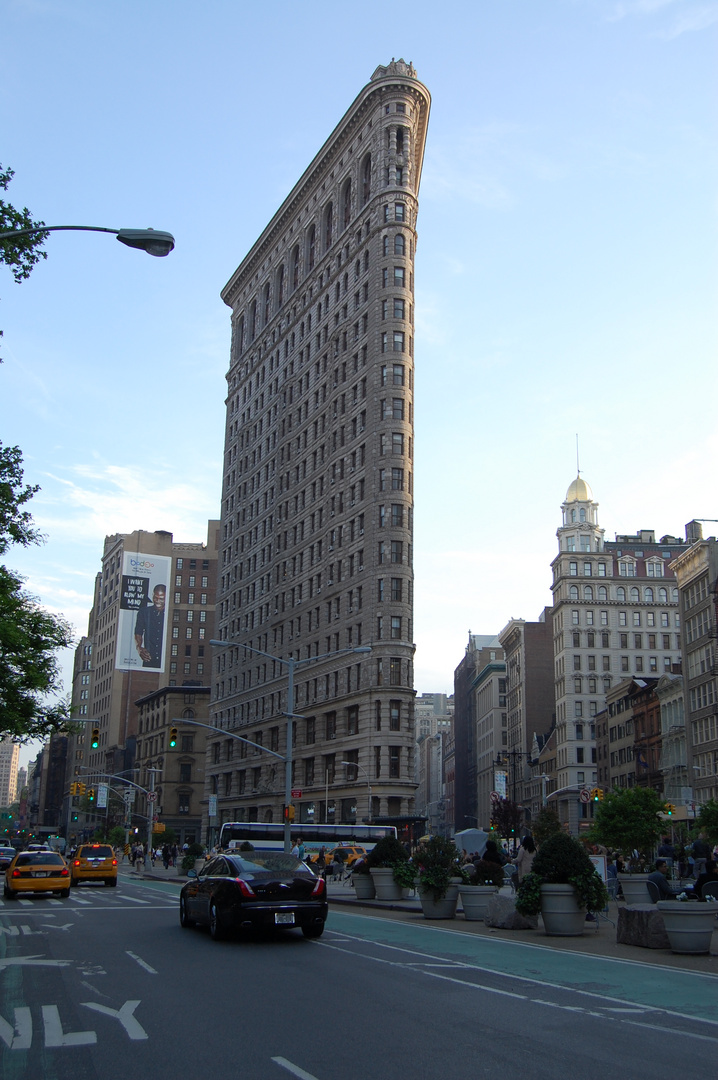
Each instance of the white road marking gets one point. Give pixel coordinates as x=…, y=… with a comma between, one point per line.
x=78, y=900
x=19, y=1038
x=294, y=1069
x=54, y=926
x=141, y=962
x=125, y=1016
x=55, y=1036
x=135, y=900
x=31, y=961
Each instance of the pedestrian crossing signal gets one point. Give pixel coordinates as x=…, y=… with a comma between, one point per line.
x=173, y=737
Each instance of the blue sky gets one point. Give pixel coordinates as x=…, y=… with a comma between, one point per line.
x=565, y=276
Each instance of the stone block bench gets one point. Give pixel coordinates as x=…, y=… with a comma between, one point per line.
x=642, y=925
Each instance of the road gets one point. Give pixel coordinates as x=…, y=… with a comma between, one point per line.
x=106, y=984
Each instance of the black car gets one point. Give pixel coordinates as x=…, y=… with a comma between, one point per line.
x=258, y=889
x=7, y=854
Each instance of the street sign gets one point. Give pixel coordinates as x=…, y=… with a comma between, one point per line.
x=585, y=795
x=495, y=797
x=130, y=795
x=212, y=806
x=159, y=826
x=101, y=796
x=151, y=796
x=297, y=793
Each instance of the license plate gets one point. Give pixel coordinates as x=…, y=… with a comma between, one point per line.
x=39, y=873
x=284, y=918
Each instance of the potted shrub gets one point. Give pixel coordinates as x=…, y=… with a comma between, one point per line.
x=689, y=923
x=563, y=885
x=438, y=876
x=362, y=881
x=193, y=855
x=382, y=859
x=627, y=820
x=486, y=880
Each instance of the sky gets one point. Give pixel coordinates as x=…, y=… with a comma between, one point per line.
x=565, y=270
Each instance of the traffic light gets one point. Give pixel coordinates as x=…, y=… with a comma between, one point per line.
x=95, y=738
x=289, y=813
x=73, y=789
x=597, y=794
x=81, y=789
x=669, y=809
x=173, y=737
x=91, y=795
x=492, y=826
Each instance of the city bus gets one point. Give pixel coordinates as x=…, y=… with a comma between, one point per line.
x=269, y=836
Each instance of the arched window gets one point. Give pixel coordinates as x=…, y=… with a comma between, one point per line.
x=346, y=204
x=280, y=287
x=311, y=247
x=268, y=815
x=648, y=595
x=674, y=595
x=621, y=594
x=385, y=245
x=602, y=592
x=265, y=304
x=663, y=596
x=188, y=714
x=399, y=244
x=328, y=226
x=588, y=592
x=582, y=514
x=295, y=268
x=573, y=516
x=573, y=592
x=253, y=320
x=635, y=595
x=366, y=180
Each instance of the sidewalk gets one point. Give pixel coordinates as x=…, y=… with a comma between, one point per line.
x=598, y=939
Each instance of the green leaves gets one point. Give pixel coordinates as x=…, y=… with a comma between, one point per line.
x=627, y=819
x=23, y=253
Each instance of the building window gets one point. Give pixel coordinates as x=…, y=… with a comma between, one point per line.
x=394, y=761
x=331, y=725
x=183, y=804
x=185, y=774
x=187, y=744
x=395, y=671
x=353, y=720
x=399, y=211
x=396, y=627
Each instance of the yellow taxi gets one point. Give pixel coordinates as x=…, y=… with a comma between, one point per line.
x=37, y=872
x=94, y=862
x=347, y=855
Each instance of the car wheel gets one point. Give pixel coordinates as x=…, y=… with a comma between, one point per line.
x=216, y=928
x=313, y=931
x=75, y=882
x=112, y=882
x=8, y=893
x=185, y=920
x=64, y=893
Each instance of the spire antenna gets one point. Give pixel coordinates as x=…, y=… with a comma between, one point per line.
x=578, y=464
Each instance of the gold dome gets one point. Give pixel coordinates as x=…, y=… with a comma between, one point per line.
x=579, y=491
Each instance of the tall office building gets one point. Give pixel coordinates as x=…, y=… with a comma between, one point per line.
x=615, y=615
x=9, y=758
x=317, y=499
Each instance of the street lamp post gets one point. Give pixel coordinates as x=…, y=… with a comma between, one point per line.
x=150, y=240
x=291, y=665
x=356, y=765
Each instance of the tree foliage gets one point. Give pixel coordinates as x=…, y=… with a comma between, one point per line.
x=546, y=823
x=627, y=820
x=507, y=817
x=30, y=637
x=23, y=253
x=707, y=819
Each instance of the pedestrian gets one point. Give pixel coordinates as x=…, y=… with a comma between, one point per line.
x=300, y=849
x=337, y=866
x=295, y=849
x=701, y=852
x=525, y=857
x=175, y=853
x=166, y=856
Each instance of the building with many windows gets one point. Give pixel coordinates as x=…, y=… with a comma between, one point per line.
x=9, y=758
x=317, y=497
x=615, y=616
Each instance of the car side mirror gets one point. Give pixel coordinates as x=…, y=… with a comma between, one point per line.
x=191, y=873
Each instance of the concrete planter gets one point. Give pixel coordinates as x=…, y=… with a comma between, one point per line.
x=386, y=887
x=634, y=888
x=689, y=924
x=439, y=909
x=363, y=886
x=561, y=914
x=475, y=900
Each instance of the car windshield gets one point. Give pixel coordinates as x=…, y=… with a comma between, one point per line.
x=39, y=858
x=272, y=862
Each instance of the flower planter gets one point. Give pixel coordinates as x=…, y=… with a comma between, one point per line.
x=634, y=888
x=561, y=914
x=475, y=900
x=386, y=887
x=689, y=924
x=439, y=909
x=363, y=886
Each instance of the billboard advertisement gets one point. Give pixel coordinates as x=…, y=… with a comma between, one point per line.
x=141, y=636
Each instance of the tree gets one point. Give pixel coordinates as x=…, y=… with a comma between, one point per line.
x=507, y=816
x=707, y=820
x=30, y=637
x=627, y=819
x=547, y=824
x=23, y=253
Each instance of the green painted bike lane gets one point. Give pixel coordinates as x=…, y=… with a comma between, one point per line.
x=620, y=982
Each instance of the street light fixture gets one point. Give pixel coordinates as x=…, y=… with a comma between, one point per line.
x=291, y=665
x=356, y=765
x=150, y=240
